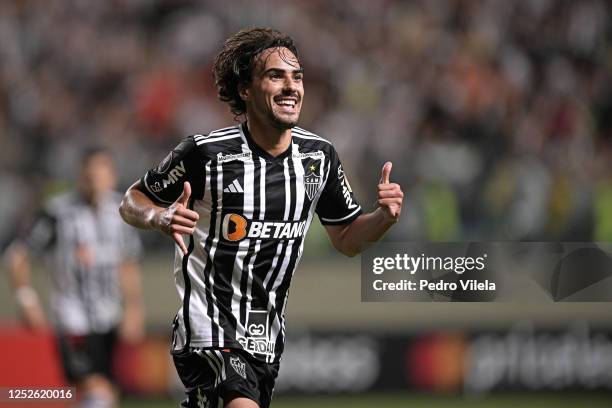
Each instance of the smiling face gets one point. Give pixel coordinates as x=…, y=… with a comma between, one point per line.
x=276, y=90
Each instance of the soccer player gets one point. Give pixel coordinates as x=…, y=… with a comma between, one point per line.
x=96, y=291
x=243, y=197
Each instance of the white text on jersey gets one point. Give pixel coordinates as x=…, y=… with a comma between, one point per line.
x=235, y=227
x=177, y=172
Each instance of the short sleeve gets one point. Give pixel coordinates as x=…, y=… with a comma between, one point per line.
x=164, y=183
x=337, y=204
x=42, y=234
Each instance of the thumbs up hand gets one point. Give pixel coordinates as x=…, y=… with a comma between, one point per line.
x=178, y=219
x=390, y=195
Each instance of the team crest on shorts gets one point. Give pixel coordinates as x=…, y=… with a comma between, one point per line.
x=312, y=182
x=238, y=366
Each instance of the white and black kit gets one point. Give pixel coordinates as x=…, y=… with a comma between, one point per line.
x=254, y=212
x=86, y=246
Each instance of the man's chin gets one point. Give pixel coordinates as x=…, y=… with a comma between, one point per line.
x=284, y=124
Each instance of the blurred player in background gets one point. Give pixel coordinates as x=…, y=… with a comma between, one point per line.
x=96, y=293
x=245, y=196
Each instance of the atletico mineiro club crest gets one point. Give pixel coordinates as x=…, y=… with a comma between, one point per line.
x=312, y=182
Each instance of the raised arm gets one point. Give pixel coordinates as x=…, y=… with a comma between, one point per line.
x=351, y=238
x=139, y=210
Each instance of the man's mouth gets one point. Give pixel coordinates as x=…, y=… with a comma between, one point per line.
x=287, y=104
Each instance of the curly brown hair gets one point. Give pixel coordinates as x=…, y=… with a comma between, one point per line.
x=233, y=66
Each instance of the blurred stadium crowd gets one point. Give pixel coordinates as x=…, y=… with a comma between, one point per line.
x=496, y=114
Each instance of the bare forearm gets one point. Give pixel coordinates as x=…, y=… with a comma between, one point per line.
x=26, y=297
x=351, y=239
x=137, y=209
x=18, y=262
x=367, y=228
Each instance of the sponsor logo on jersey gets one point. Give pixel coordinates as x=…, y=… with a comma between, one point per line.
x=234, y=187
x=257, y=346
x=317, y=154
x=173, y=176
x=165, y=164
x=256, y=339
x=257, y=330
x=346, y=189
x=235, y=228
x=229, y=157
x=238, y=366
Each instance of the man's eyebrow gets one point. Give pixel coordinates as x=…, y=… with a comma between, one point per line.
x=280, y=70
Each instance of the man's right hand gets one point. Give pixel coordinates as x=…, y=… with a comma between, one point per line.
x=34, y=317
x=178, y=220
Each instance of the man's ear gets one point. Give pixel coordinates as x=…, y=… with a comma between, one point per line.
x=243, y=91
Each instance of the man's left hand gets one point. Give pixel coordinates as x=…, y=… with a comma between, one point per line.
x=390, y=195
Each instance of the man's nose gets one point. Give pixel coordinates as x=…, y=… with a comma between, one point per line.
x=290, y=86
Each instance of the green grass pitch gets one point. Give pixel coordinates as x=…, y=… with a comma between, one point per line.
x=523, y=400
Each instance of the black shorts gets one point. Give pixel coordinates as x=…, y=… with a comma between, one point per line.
x=83, y=355
x=210, y=375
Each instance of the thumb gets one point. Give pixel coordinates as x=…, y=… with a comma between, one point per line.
x=184, y=198
x=386, y=172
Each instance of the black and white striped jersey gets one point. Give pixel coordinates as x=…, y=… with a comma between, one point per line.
x=86, y=247
x=254, y=212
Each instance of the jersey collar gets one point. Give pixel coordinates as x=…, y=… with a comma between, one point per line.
x=244, y=129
